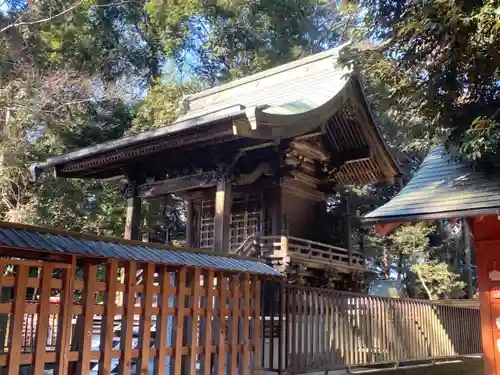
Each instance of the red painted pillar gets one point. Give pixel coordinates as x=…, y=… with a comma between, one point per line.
x=486, y=232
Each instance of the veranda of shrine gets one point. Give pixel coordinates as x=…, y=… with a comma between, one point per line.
x=256, y=161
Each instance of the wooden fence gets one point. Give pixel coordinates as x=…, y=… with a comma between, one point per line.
x=169, y=321
x=309, y=329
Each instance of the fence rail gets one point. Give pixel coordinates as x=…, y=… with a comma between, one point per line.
x=298, y=330
x=311, y=329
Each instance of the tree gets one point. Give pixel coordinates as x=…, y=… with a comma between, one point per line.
x=434, y=71
x=223, y=40
x=66, y=91
x=418, y=256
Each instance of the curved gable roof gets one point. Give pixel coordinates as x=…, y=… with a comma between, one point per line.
x=284, y=102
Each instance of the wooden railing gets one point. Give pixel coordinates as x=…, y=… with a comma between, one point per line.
x=174, y=320
x=302, y=249
x=310, y=329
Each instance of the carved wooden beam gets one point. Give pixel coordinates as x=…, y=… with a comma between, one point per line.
x=198, y=181
x=311, y=150
x=250, y=178
x=173, y=185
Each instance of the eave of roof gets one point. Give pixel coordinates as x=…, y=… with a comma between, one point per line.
x=25, y=237
x=178, y=126
x=442, y=188
x=283, y=102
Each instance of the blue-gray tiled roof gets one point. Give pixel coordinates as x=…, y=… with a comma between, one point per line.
x=26, y=237
x=443, y=187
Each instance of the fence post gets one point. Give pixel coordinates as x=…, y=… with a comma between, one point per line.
x=281, y=311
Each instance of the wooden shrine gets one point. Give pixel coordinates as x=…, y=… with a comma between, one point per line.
x=256, y=160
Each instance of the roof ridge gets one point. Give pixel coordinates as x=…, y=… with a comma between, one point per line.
x=332, y=52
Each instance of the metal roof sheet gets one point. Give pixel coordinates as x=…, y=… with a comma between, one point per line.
x=443, y=187
x=33, y=238
x=289, y=89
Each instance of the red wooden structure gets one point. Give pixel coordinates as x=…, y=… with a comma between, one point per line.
x=446, y=189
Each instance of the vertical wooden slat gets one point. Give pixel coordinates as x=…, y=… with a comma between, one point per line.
x=380, y=312
x=221, y=341
x=235, y=289
x=269, y=306
x=317, y=318
x=418, y=320
x=321, y=331
x=108, y=321
x=285, y=322
x=369, y=329
x=207, y=359
x=351, y=311
x=300, y=329
x=43, y=320
x=426, y=321
x=196, y=315
x=355, y=330
x=339, y=325
x=179, y=320
x=89, y=279
x=330, y=337
x=257, y=337
x=64, y=320
x=17, y=321
x=427, y=327
x=128, y=319
x=145, y=322
x=293, y=323
x=307, y=309
x=162, y=322
x=246, y=325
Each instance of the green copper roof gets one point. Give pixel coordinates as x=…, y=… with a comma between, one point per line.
x=291, y=100
x=443, y=187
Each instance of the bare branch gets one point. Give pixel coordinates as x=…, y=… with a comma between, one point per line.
x=76, y=5
x=43, y=19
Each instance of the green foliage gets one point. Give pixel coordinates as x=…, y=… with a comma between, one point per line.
x=64, y=92
x=226, y=39
x=161, y=106
x=422, y=264
x=434, y=72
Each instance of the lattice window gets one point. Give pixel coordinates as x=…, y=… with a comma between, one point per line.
x=207, y=225
x=245, y=220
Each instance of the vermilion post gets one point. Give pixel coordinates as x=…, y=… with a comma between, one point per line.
x=486, y=233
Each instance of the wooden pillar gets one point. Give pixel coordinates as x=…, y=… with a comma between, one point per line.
x=348, y=229
x=468, y=257
x=273, y=213
x=222, y=230
x=189, y=223
x=133, y=214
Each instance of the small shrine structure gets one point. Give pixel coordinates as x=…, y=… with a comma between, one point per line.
x=256, y=160
x=446, y=188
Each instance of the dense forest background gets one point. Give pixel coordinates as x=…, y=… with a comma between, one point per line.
x=76, y=73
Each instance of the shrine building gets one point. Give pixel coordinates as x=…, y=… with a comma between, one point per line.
x=256, y=160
